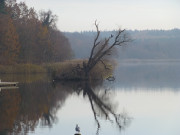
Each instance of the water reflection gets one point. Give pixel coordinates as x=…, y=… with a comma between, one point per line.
x=9, y=106
x=148, y=75
x=101, y=103
x=22, y=109
x=36, y=103
x=149, y=93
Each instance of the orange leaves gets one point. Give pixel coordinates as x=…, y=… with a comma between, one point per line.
x=9, y=45
x=25, y=37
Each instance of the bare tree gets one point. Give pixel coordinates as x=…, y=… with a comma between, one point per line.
x=103, y=48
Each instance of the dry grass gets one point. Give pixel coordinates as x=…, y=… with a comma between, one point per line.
x=21, y=69
x=65, y=70
x=60, y=69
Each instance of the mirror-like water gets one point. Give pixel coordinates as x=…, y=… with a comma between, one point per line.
x=144, y=99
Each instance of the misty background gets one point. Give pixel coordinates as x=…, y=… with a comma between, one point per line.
x=146, y=44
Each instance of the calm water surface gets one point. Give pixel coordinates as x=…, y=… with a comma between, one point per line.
x=143, y=100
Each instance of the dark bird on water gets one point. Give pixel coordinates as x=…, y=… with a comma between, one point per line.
x=77, y=128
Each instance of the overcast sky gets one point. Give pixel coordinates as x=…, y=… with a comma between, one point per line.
x=80, y=15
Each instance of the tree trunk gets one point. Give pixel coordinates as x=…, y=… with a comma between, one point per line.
x=86, y=71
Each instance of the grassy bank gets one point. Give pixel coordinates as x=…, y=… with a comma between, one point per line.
x=22, y=69
x=60, y=69
x=66, y=70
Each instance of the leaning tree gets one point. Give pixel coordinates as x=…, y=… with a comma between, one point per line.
x=103, y=48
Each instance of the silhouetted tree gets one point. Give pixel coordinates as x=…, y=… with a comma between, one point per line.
x=103, y=48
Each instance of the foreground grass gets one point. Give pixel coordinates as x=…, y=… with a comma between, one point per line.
x=59, y=69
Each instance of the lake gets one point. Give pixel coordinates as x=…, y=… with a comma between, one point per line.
x=144, y=99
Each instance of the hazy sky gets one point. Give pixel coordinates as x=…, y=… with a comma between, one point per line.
x=80, y=15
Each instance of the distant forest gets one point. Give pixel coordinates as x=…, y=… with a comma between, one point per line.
x=146, y=44
x=30, y=37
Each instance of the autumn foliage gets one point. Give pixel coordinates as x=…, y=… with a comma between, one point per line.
x=29, y=37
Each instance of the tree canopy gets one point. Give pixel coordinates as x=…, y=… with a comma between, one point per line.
x=30, y=37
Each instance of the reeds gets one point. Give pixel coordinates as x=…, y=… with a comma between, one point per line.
x=61, y=69
x=21, y=69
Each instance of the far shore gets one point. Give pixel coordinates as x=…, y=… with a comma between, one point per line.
x=68, y=64
x=147, y=60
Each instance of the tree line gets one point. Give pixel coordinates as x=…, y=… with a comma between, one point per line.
x=30, y=37
x=147, y=44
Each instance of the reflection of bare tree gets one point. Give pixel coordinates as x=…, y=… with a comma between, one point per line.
x=102, y=106
x=37, y=103
x=48, y=119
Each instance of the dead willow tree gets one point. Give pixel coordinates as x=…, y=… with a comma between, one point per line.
x=103, y=48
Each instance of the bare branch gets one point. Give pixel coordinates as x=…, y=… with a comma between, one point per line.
x=95, y=42
x=95, y=115
x=98, y=33
x=102, y=48
x=105, y=66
